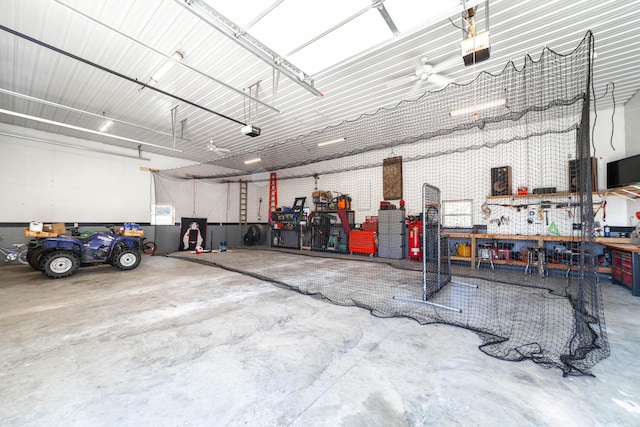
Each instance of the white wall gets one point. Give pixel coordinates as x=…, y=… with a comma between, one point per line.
x=632, y=125
x=49, y=183
x=632, y=145
x=617, y=207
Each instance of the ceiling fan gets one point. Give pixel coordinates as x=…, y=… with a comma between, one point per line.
x=218, y=150
x=426, y=72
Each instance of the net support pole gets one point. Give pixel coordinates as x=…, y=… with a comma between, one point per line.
x=457, y=310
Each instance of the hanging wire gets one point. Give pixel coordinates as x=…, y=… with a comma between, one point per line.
x=591, y=59
x=193, y=215
x=606, y=91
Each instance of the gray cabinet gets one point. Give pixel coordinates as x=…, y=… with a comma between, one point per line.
x=392, y=229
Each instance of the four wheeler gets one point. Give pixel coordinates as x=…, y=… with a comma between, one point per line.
x=59, y=257
x=35, y=250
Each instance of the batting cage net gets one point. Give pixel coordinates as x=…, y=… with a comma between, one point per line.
x=470, y=206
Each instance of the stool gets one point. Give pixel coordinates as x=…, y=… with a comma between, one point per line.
x=574, y=258
x=536, y=257
x=485, y=251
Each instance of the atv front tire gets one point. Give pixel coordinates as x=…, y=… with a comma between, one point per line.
x=59, y=264
x=126, y=260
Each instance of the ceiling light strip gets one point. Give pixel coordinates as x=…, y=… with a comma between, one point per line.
x=478, y=107
x=95, y=132
x=256, y=160
x=66, y=107
x=176, y=58
x=77, y=147
x=333, y=141
x=106, y=125
x=235, y=33
x=139, y=43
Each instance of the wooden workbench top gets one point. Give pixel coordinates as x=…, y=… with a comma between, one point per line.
x=606, y=241
x=622, y=246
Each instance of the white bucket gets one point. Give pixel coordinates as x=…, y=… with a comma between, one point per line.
x=35, y=226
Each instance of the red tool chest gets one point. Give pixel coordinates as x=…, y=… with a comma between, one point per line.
x=362, y=242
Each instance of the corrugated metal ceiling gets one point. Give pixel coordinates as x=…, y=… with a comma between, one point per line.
x=353, y=87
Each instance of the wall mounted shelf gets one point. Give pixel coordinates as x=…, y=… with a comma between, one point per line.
x=631, y=191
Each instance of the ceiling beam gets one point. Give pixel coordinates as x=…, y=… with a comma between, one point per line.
x=385, y=15
x=238, y=35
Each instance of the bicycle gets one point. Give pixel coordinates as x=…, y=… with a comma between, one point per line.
x=17, y=253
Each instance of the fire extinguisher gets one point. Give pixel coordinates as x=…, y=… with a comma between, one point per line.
x=415, y=242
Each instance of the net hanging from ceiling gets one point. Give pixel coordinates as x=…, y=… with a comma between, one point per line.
x=527, y=128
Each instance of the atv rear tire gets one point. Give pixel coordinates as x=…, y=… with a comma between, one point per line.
x=59, y=264
x=126, y=260
x=35, y=257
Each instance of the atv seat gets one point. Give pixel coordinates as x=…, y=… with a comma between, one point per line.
x=83, y=239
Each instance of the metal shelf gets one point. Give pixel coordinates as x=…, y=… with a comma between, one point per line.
x=631, y=191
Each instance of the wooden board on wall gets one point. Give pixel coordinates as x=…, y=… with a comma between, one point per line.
x=392, y=178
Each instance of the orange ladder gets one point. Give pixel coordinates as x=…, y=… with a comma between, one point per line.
x=273, y=195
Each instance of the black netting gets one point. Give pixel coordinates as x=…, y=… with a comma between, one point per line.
x=524, y=129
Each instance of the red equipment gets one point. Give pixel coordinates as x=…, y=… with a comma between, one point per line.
x=362, y=242
x=415, y=239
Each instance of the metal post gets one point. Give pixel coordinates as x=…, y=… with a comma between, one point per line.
x=433, y=203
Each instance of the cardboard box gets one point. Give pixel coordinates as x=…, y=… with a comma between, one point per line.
x=59, y=228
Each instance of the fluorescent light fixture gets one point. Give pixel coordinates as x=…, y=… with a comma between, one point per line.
x=106, y=125
x=166, y=66
x=478, y=107
x=333, y=141
x=94, y=132
x=256, y=160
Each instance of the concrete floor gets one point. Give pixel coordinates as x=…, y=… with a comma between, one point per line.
x=177, y=343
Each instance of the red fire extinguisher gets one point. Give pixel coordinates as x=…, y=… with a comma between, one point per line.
x=415, y=242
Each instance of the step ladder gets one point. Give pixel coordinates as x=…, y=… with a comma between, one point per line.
x=273, y=195
x=242, y=221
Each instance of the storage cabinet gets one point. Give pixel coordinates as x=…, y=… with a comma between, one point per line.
x=392, y=234
x=362, y=242
x=626, y=269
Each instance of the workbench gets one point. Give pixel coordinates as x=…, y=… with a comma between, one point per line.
x=538, y=240
x=626, y=265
